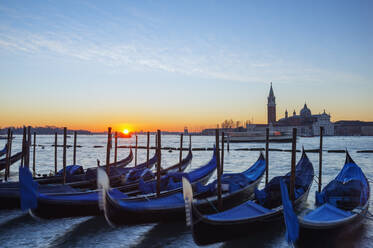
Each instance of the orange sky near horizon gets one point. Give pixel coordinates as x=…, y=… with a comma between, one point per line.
x=203, y=106
x=149, y=121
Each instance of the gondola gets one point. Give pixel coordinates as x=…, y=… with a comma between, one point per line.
x=10, y=195
x=343, y=201
x=169, y=206
x=75, y=175
x=134, y=181
x=14, y=158
x=258, y=215
x=77, y=203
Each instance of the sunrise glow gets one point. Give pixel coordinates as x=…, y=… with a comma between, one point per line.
x=125, y=131
x=174, y=72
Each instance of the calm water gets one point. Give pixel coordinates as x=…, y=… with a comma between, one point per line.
x=18, y=229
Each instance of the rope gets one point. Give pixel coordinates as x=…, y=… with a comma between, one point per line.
x=317, y=179
x=212, y=205
x=368, y=215
x=196, y=221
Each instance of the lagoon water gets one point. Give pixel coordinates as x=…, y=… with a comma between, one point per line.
x=18, y=229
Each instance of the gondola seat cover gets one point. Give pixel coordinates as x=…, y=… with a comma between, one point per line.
x=270, y=196
x=327, y=212
x=347, y=191
x=91, y=173
x=173, y=180
x=231, y=182
x=167, y=182
x=71, y=170
x=135, y=174
x=248, y=209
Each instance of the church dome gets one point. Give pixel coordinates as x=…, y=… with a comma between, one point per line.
x=305, y=112
x=324, y=114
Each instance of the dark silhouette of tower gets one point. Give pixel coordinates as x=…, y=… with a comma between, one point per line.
x=271, y=107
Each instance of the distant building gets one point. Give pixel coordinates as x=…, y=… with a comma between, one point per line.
x=308, y=124
x=271, y=107
x=356, y=128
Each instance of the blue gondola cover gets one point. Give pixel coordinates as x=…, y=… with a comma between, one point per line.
x=348, y=190
x=71, y=170
x=28, y=189
x=270, y=196
x=291, y=220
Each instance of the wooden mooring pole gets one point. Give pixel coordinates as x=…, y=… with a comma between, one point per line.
x=218, y=170
x=116, y=147
x=181, y=151
x=147, y=148
x=55, y=153
x=8, y=155
x=10, y=144
x=293, y=158
x=228, y=142
x=10, y=152
x=23, y=159
x=222, y=154
x=159, y=162
x=64, y=154
x=74, y=153
x=136, y=150
x=108, y=151
x=320, y=157
x=33, y=156
x=267, y=151
x=28, y=145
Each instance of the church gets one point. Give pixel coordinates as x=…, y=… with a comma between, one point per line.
x=307, y=124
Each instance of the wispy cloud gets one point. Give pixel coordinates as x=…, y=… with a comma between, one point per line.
x=138, y=46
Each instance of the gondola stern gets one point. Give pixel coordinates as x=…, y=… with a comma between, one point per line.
x=304, y=154
x=261, y=156
x=348, y=158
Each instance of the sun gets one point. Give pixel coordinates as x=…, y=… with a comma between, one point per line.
x=125, y=131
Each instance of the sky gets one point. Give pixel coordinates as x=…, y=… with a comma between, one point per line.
x=147, y=65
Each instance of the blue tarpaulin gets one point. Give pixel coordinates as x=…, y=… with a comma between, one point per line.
x=270, y=196
x=173, y=180
x=347, y=191
x=71, y=170
x=28, y=189
x=291, y=220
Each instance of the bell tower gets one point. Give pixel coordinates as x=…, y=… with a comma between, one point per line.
x=271, y=107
